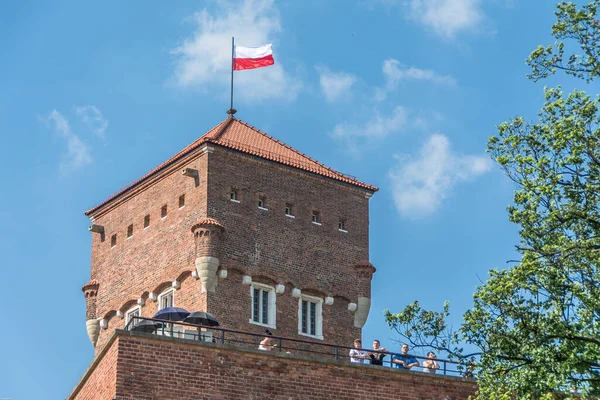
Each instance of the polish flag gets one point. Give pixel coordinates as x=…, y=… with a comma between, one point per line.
x=252, y=57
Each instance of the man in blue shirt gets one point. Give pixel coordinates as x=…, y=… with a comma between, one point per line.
x=404, y=360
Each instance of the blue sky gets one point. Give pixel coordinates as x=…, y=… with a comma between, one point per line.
x=402, y=94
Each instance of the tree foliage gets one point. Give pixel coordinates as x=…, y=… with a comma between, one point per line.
x=537, y=324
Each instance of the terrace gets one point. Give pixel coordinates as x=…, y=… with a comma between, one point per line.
x=283, y=345
x=176, y=360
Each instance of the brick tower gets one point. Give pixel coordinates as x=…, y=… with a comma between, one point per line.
x=263, y=237
x=242, y=226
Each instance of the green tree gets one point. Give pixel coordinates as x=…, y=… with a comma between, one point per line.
x=537, y=324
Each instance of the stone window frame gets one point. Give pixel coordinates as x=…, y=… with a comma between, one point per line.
x=318, y=317
x=271, y=307
x=132, y=310
x=165, y=293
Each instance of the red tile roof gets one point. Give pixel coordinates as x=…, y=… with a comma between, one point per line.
x=238, y=135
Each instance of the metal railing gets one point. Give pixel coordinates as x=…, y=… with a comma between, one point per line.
x=281, y=344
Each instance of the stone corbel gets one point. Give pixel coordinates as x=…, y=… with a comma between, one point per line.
x=246, y=280
x=152, y=296
x=223, y=274
x=296, y=292
x=176, y=285
x=192, y=173
x=97, y=229
x=92, y=326
x=362, y=311
x=280, y=289
x=206, y=268
x=141, y=301
x=328, y=300
x=352, y=307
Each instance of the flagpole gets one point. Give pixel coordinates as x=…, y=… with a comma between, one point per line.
x=231, y=111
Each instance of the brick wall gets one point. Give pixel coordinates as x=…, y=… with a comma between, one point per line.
x=272, y=248
x=100, y=380
x=152, y=258
x=167, y=368
x=276, y=249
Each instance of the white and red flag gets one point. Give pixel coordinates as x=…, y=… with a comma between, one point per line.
x=252, y=57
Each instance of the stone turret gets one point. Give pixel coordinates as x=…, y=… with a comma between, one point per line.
x=92, y=323
x=364, y=271
x=208, y=234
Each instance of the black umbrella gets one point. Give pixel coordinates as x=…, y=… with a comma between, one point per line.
x=146, y=326
x=201, y=318
x=171, y=314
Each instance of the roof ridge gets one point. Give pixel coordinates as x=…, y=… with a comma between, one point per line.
x=293, y=149
x=222, y=130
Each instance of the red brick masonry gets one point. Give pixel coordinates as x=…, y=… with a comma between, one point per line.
x=142, y=366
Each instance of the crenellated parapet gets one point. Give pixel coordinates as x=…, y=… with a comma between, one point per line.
x=208, y=235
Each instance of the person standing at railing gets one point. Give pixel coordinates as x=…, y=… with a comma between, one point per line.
x=266, y=344
x=356, y=355
x=430, y=365
x=405, y=360
x=378, y=354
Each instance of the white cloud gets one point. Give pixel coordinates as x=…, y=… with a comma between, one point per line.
x=394, y=73
x=78, y=153
x=204, y=59
x=420, y=184
x=335, y=85
x=446, y=17
x=375, y=129
x=92, y=117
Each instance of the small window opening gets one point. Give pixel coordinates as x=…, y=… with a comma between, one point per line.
x=262, y=202
x=113, y=240
x=289, y=210
x=233, y=195
x=147, y=221
x=182, y=201
x=316, y=217
x=129, y=231
x=342, y=225
x=163, y=211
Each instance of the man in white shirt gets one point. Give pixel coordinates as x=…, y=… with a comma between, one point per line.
x=356, y=355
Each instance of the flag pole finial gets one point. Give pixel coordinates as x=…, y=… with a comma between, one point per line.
x=231, y=111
